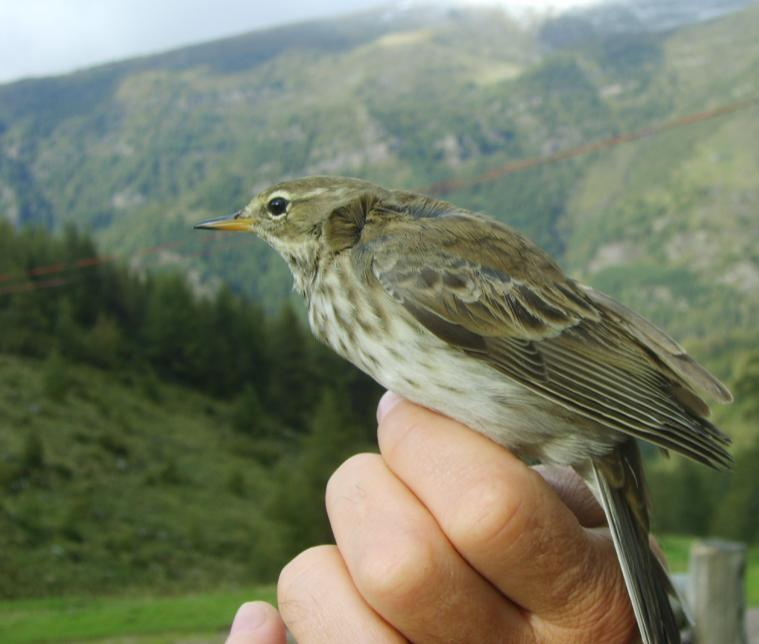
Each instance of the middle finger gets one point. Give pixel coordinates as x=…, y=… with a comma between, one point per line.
x=406, y=568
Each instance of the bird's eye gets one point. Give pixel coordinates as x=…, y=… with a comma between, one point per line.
x=277, y=207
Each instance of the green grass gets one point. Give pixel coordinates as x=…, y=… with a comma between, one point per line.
x=207, y=615
x=111, y=489
x=677, y=550
x=67, y=620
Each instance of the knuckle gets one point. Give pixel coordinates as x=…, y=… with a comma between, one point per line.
x=489, y=513
x=299, y=586
x=302, y=572
x=608, y=612
x=601, y=607
x=401, y=423
x=397, y=575
x=348, y=474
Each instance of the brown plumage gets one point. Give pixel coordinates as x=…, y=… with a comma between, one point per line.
x=460, y=313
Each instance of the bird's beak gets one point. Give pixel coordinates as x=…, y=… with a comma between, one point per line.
x=237, y=221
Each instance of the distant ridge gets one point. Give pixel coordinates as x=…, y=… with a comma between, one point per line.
x=411, y=96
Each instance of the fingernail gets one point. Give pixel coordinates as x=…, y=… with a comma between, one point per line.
x=249, y=617
x=386, y=403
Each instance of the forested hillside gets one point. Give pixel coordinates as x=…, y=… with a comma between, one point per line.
x=149, y=438
x=166, y=421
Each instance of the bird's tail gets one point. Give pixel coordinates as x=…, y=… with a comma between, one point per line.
x=620, y=487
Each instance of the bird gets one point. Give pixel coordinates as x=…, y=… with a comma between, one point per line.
x=456, y=311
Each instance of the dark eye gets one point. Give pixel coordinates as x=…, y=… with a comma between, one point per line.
x=277, y=206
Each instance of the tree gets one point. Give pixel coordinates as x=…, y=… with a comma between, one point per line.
x=293, y=382
x=747, y=387
x=56, y=382
x=298, y=498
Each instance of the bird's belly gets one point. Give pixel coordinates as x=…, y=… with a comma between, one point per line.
x=401, y=355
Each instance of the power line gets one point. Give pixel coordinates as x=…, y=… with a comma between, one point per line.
x=440, y=188
x=451, y=185
x=87, y=262
x=34, y=286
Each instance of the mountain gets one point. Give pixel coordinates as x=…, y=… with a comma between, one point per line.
x=139, y=150
x=661, y=15
x=656, y=15
x=112, y=478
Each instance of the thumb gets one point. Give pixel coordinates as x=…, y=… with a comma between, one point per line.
x=257, y=623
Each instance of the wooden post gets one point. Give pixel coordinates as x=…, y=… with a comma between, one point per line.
x=716, y=591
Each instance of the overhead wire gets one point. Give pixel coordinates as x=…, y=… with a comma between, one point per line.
x=443, y=187
x=84, y=262
x=452, y=185
x=34, y=286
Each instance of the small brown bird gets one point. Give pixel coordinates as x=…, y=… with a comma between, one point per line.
x=459, y=313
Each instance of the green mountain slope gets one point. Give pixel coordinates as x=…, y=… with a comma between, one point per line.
x=139, y=150
x=109, y=488
x=155, y=439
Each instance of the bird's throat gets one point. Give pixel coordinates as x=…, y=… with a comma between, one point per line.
x=303, y=261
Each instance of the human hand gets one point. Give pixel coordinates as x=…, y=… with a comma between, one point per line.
x=257, y=623
x=447, y=537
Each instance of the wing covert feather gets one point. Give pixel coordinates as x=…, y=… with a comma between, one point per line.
x=474, y=283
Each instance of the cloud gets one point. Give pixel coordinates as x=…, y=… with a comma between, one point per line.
x=43, y=37
x=40, y=37
x=533, y=4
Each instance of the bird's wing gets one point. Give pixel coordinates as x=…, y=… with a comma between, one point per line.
x=666, y=349
x=489, y=291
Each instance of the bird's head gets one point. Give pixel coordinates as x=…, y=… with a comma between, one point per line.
x=297, y=218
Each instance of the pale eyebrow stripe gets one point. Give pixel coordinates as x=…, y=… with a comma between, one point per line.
x=314, y=193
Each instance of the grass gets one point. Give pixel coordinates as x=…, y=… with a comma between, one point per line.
x=204, y=615
x=677, y=550
x=112, y=489
x=75, y=619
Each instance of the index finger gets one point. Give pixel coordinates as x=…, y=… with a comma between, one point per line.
x=504, y=519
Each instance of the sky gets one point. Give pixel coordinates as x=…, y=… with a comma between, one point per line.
x=47, y=37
